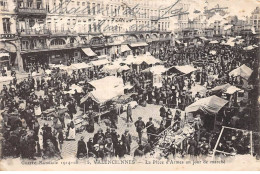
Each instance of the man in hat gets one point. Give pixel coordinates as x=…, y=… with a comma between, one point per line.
x=163, y=111
x=150, y=129
x=129, y=113
x=114, y=137
x=82, y=149
x=99, y=137
x=140, y=125
x=127, y=140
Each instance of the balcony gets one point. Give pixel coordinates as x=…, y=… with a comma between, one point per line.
x=7, y=36
x=63, y=33
x=33, y=32
x=31, y=11
x=33, y=49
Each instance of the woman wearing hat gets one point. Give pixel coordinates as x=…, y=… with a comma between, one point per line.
x=82, y=149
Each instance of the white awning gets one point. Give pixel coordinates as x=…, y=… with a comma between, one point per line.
x=213, y=42
x=99, y=62
x=178, y=42
x=125, y=48
x=203, y=38
x=4, y=54
x=139, y=44
x=80, y=66
x=88, y=52
x=106, y=82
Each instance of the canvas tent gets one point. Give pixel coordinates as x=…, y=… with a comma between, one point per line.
x=243, y=71
x=159, y=69
x=221, y=88
x=79, y=66
x=106, y=82
x=198, y=88
x=99, y=97
x=232, y=90
x=209, y=105
x=185, y=69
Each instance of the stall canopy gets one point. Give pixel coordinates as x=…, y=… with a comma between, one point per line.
x=203, y=38
x=198, y=89
x=99, y=62
x=221, y=88
x=115, y=68
x=250, y=47
x=139, y=44
x=232, y=90
x=4, y=54
x=243, y=71
x=149, y=59
x=178, y=42
x=99, y=97
x=80, y=66
x=213, y=42
x=159, y=69
x=88, y=52
x=106, y=82
x=125, y=48
x=185, y=69
x=209, y=105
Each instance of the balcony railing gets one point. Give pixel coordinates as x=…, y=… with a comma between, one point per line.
x=154, y=18
x=36, y=48
x=33, y=32
x=31, y=11
x=62, y=32
x=7, y=36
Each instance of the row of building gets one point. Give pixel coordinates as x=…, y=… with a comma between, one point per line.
x=54, y=31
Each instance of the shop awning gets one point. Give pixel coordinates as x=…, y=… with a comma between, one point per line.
x=209, y=105
x=88, y=52
x=99, y=62
x=139, y=44
x=4, y=54
x=125, y=48
x=243, y=71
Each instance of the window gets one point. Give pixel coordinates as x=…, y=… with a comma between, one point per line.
x=3, y=5
x=98, y=8
x=93, y=9
x=6, y=25
x=57, y=42
x=78, y=3
x=88, y=7
x=83, y=3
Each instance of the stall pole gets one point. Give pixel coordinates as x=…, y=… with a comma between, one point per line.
x=251, y=142
x=215, y=119
x=215, y=148
x=84, y=108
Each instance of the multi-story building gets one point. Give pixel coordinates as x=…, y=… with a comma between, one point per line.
x=8, y=35
x=254, y=19
x=53, y=31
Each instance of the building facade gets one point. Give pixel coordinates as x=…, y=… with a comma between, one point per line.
x=55, y=31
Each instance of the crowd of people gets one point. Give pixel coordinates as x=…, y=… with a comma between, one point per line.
x=24, y=102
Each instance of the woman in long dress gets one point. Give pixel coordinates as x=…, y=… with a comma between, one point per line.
x=71, y=131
